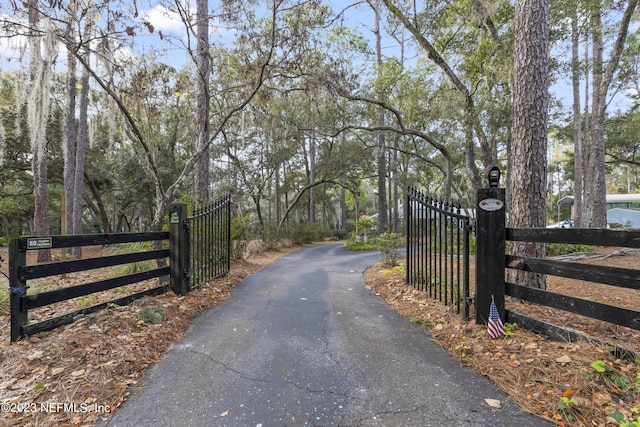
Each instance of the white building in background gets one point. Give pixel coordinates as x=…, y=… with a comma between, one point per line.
x=623, y=209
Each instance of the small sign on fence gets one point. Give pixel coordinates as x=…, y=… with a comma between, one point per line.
x=491, y=205
x=39, y=243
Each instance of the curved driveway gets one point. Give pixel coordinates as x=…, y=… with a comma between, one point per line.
x=304, y=343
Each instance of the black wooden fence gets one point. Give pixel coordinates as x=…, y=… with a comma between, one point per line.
x=611, y=276
x=492, y=262
x=438, y=250
x=198, y=250
x=425, y=257
x=20, y=274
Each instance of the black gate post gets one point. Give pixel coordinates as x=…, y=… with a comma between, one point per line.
x=178, y=248
x=490, y=247
x=17, y=288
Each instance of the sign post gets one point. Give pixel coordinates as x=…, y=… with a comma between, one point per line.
x=490, y=247
x=178, y=248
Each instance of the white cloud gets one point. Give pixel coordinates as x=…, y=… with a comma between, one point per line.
x=164, y=20
x=169, y=21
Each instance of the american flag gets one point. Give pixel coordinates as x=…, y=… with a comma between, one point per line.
x=494, y=326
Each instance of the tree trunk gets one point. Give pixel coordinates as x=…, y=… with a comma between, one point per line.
x=343, y=206
x=596, y=182
x=602, y=77
x=577, y=121
x=256, y=200
x=324, y=206
x=81, y=142
x=469, y=155
x=276, y=192
x=395, y=217
x=312, y=179
x=99, y=207
x=38, y=115
x=381, y=158
x=202, y=103
x=530, y=128
x=586, y=144
x=69, y=147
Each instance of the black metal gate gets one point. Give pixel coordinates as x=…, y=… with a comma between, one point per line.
x=209, y=231
x=438, y=250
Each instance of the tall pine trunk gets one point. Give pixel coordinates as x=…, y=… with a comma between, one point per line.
x=38, y=117
x=82, y=137
x=585, y=214
x=529, y=157
x=577, y=122
x=381, y=158
x=69, y=144
x=312, y=179
x=596, y=182
x=602, y=78
x=202, y=103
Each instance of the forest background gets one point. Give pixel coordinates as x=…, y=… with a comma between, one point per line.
x=311, y=112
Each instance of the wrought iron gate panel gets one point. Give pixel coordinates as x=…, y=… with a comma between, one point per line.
x=438, y=250
x=209, y=241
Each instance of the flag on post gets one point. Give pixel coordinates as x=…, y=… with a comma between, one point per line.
x=495, y=328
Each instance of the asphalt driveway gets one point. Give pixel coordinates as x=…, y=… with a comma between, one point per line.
x=304, y=343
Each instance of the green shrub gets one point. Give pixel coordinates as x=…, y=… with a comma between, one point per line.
x=364, y=226
x=472, y=244
x=352, y=245
x=306, y=232
x=339, y=234
x=240, y=235
x=389, y=244
x=271, y=237
x=615, y=225
x=127, y=248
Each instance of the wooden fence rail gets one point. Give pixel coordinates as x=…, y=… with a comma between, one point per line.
x=20, y=273
x=492, y=262
x=198, y=250
x=610, y=276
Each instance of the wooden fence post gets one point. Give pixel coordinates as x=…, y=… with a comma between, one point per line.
x=490, y=247
x=178, y=248
x=17, y=288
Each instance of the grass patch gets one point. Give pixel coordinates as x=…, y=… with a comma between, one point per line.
x=555, y=249
x=4, y=302
x=352, y=245
x=5, y=305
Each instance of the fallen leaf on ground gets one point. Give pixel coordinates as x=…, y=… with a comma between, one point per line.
x=494, y=403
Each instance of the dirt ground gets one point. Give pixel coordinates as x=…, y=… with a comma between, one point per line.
x=78, y=373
